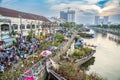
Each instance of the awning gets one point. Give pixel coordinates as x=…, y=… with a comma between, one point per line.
x=25, y=34
x=9, y=40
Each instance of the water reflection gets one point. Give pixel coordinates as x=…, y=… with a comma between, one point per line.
x=111, y=37
x=115, y=39
x=103, y=33
x=107, y=56
x=86, y=65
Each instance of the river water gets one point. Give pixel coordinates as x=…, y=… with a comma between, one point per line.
x=107, y=56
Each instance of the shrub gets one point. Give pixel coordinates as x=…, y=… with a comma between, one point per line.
x=56, y=43
x=68, y=69
x=95, y=76
x=59, y=37
x=87, y=50
x=78, y=52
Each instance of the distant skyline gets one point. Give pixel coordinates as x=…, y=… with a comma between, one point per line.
x=85, y=9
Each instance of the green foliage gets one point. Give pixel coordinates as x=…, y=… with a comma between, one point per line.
x=67, y=24
x=13, y=33
x=78, y=26
x=110, y=26
x=95, y=76
x=58, y=37
x=56, y=43
x=30, y=34
x=78, y=52
x=68, y=69
x=87, y=50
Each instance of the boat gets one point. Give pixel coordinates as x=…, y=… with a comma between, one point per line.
x=87, y=33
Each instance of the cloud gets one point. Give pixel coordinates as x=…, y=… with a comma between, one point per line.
x=111, y=8
x=77, y=6
x=91, y=5
x=89, y=8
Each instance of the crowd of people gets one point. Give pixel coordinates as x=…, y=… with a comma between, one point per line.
x=21, y=50
x=13, y=54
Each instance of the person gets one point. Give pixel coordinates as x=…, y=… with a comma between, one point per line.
x=1, y=68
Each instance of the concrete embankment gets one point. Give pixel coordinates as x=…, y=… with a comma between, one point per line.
x=64, y=48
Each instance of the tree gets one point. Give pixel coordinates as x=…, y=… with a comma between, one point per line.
x=67, y=24
x=59, y=37
x=13, y=33
x=30, y=35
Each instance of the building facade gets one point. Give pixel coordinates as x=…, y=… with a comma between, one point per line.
x=97, y=20
x=68, y=16
x=104, y=20
x=23, y=22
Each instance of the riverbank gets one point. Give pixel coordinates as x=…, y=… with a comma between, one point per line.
x=104, y=30
x=106, y=57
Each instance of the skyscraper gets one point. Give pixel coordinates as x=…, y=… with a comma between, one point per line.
x=71, y=16
x=68, y=16
x=101, y=20
x=97, y=20
x=63, y=15
x=105, y=19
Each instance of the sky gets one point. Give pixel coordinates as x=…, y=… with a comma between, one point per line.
x=85, y=9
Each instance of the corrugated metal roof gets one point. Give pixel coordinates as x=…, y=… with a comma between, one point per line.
x=18, y=14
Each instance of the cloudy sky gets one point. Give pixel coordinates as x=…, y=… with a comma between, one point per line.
x=85, y=9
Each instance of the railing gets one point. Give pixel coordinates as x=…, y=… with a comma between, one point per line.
x=36, y=71
x=56, y=76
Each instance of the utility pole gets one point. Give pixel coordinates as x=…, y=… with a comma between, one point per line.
x=21, y=24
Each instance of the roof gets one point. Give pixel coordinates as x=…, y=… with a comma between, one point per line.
x=18, y=14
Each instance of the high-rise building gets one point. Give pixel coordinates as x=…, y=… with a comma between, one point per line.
x=105, y=19
x=63, y=15
x=97, y=19
x=71, y=16
x=68, y=16
x=101, y=20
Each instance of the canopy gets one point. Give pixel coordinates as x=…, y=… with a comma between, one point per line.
x=45, y=53
x=9, y=40
x=27, y=72
x=29, y=78
x=65, y=38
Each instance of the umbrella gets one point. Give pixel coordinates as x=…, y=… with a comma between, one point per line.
x=65, y=38
x=52, y=48
x=27, y=72
x=45, y=53
x=29, y=78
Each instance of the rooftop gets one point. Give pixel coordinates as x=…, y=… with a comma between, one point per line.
x=17, y=14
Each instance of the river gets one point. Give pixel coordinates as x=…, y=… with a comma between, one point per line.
x=107, y=56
